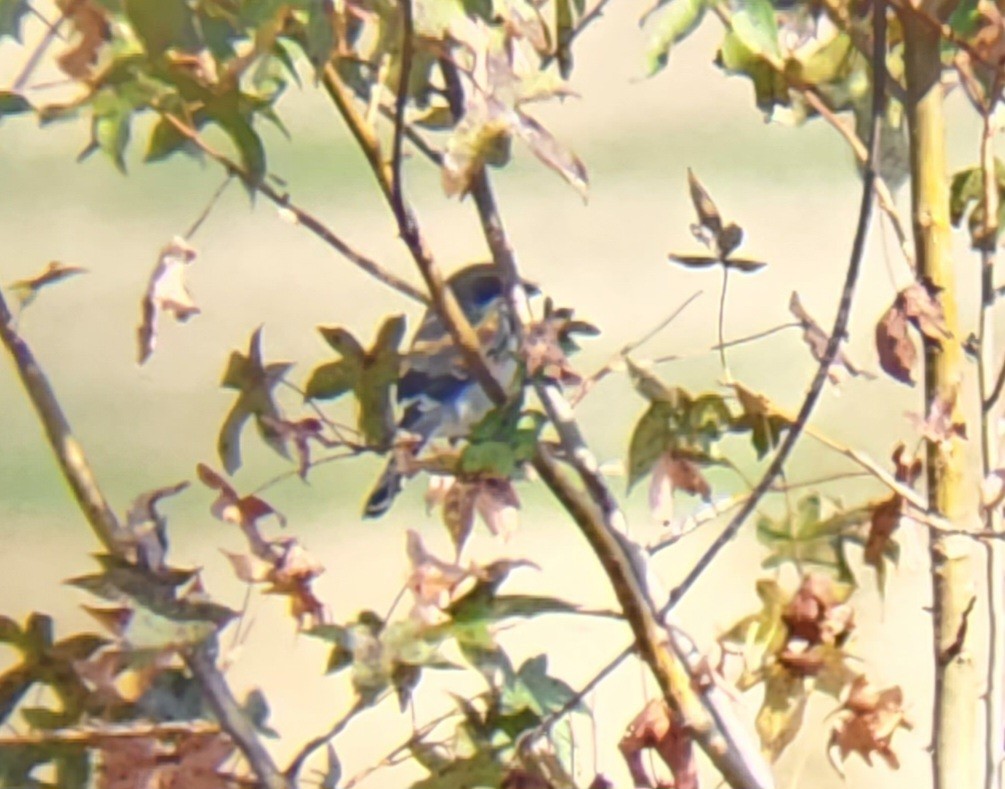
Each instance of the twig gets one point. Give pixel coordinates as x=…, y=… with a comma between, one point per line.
x=994, y=718
x=592, y=380
x=67, y=451
x=77, y=472
x=302, y=217
x=722, y=318
x=208, y=208
x=758, y=335
x=858, y=147
x=400, y=99
x=388, y=759
x=87, y=735
x=587, y=19
x=51, y=33
x=794, y=432
x=665, y=650
x=202, y=664
x=322, y=739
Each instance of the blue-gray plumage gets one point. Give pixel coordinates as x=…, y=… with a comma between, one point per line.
x=441, y=398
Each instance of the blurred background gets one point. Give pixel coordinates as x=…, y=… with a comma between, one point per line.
x=794, y=190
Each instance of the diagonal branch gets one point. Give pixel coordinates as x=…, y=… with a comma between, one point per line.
x=869, y=180
x=302, y=217
x=78, y=474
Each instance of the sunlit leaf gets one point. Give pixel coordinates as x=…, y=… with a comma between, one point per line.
x=254, y=380
x=667, y=23
x=754, y=23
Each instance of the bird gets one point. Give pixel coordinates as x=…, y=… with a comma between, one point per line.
x=440, y=395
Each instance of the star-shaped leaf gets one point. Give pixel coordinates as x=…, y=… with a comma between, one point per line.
x=255, y=382
x=368, y=373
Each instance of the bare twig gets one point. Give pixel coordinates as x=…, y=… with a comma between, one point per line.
x=67, y=451
x=77, y=472
x=322, y=739
x=994, y=719
x=400, y=99
x=301, y=216
x=208, y=208
x=840, y=322
x=592, y=380
x=85, y=735
x=51, y=33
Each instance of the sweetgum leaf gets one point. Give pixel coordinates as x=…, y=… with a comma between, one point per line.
x=255, y=381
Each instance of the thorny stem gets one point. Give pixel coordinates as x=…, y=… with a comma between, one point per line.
x=78, y=474
x=840, y=322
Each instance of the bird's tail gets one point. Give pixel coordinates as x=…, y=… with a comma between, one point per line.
x=384, y=492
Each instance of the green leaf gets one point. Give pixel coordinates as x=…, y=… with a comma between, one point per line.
x=480, y=770
x=533, y=689
x=369, y=374
x=11, y=15
x=164, y=141
x=781, y=715
x=755, y=25
x=770, y=87
x=13, y=103
x=650, y=439
x=255, y=382
x=163, y=24
x=331, y=380
x=563, y=36
x=673, y=22
x=319, y=33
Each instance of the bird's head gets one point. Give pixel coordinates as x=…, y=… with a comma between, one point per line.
x=479, y=289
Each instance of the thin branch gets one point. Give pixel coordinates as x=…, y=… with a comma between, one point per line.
x=89, y=734
x=67, y=451
x=592, y=380
x=78, y=474
x=758, y=335
x=322, y=739
x=233, y=720
x=302, y=217
x=400, y=100
x=208, y=208
x=51, y=33
x=587, y=19
x=994, y=718
x=722, y=318
x=869, y=180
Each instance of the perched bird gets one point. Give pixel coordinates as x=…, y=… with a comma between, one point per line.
x=440, y=395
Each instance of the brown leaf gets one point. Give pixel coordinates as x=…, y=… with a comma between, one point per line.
x=709, y=220
x=127, y=763
x=147, y=528
x=241, y=511
x=543, y=354
x=433, y=582
x=458, y=512
x=867, y=722
x=897, y=354
x=817, y=613
x=90, y=31
x=817, y=340
x=196, y=762
x=673, y=473
x=27, y=289
x=883, y=522
x=550, y=151
x=519, y=778
x=920, y=304
x=659, y=728
x=498, y=506
x=301, y=432
x=166, y=292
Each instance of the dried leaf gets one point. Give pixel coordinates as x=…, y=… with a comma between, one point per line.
x=817, y=340
x=866, y=724
x=673, y=473
x=301, y=432
x=659, y=728
x=459, y=512
x=90, y=31
x=166, y=292
x=241, y=511
x=27, y=289
x=498, y=506
x=147, y=528
x=549, y=150
x=897, y=353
